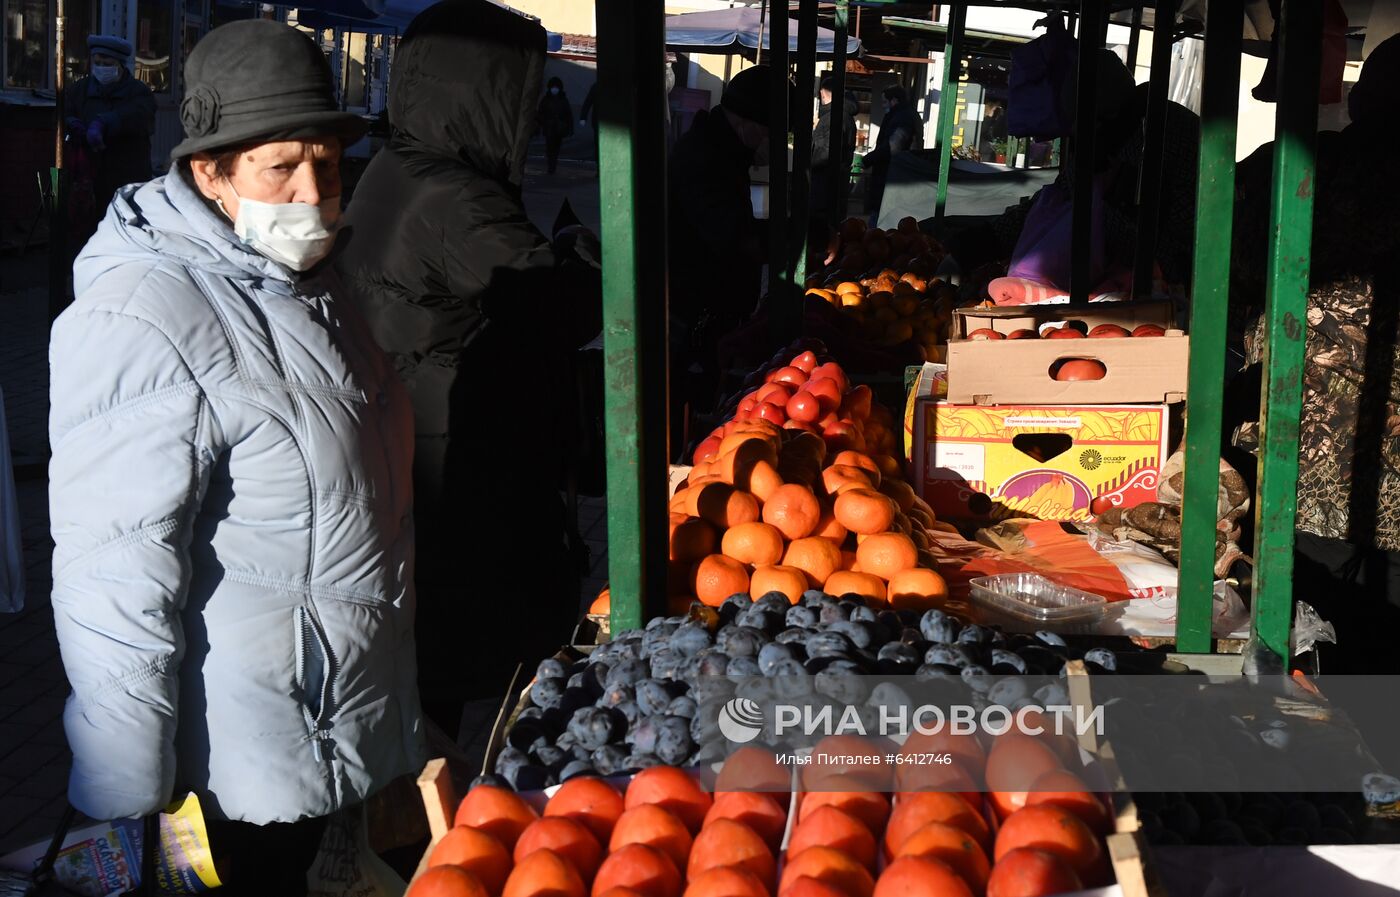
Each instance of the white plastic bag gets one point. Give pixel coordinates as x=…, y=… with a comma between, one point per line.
x=345, y=865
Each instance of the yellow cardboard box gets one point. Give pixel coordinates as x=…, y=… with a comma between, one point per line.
x=1052, y=462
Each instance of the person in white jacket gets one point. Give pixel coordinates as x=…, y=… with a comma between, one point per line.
x=230, y=484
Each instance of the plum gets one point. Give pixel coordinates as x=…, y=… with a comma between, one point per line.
x=1003, y=657
x=551, y=755
x=773, y=603
x=1051, y=639
x=761, y=619
x=741, y=668
x=829, y=644
x=593, y=727
x=733, y=606
x=690, y=639
x=796, y=636
x=508, y=759
x=860, y=613
x=575, y=769
x=641, y=737
x=771, y=653
x=530, y=777
x=1007, y=692
x=574, y=698
x=551, y=668
x=1103, y=657
x=932, y=672
x=973, y=634
x=741, y=641
x=898, y=659
x=709, y=662
x=610, y=759
x=548, y=692
x=843, y=683
x=657, y=637
x=642, y=760
x=830, y=614
x=683, y=706
x=652, y=696
x=673, y=742
x=860, y=634
x=978, y=678
x=665, y=663
x=630, y=712
x=491, y=779
x=801, y=616
x=945, y=655
x=526, y=732
x=627, y=672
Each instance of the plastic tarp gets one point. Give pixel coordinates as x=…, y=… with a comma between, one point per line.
x=728, y=31
x=974, y=188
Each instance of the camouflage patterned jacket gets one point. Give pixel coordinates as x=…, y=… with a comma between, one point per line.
x=1349, y=471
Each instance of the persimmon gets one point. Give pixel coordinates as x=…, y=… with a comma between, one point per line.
x=914, y=811
x=1015, y=762
x=717, y=577
x=920, y=877
x=829, y=826
x=1030, y=872
x=818, y=558
x=793, y=509
x=758, y=811
x=672, y=790
x=753, y=768
x=725, y=842
x=862, y=511
x=790, y=581
x=756, y=544
x=885, y=554
x=590, y=801
x=653, y=826
x=447, y=881
x=807, y=886
x=1061, y=788
x=475, y=851
x=870, y=807
x=566, y=837
x=1057, y=831
x=544, y=873
x=951, y=845
x=641, y=868
x=830, y=866
x=499, y=812
x=726, y=881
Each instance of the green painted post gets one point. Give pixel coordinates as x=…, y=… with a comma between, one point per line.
x=1134, y=40
x=836, y=202
x=1215, y=203
x=1290, y=248
x=632, y=185
x=802, y=135
x=948, y=103
x=784, y=303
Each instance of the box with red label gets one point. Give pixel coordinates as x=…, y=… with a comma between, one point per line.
x=1052, y=462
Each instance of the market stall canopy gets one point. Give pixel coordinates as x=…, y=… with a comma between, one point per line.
x=736, y=31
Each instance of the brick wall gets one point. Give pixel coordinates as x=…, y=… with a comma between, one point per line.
x=26, y=150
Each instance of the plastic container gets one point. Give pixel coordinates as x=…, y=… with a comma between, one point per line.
x=1026, y=602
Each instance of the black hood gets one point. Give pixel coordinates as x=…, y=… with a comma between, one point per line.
x=466, y=77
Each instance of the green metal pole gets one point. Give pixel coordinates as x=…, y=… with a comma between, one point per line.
x=784, y=303
x=948, y=103
x=632, y=185
x=1210, y=300
x=1290, y=248
x=802, y=135
x=1134, y=39
x=837, y=200
x=1086, y=103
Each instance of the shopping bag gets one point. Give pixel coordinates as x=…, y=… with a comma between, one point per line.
x=1042, y=251
x=346, y=866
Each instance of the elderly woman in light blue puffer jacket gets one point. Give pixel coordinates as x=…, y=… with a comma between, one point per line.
x=230, y=484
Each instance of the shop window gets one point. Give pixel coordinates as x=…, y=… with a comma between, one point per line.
x=354, y=74
x=26, y=43
x=81, y=20
x=154, y=41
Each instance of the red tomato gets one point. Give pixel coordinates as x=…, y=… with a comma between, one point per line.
x=771, y=411
x=856, y=403
x=1080, y=369
x=831, y=371
x=707, y=450
x=827, y=391
x=791, y=375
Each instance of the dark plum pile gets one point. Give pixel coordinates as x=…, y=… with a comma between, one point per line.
x=650, y=697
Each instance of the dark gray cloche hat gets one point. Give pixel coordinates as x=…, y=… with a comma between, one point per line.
x=257, y=80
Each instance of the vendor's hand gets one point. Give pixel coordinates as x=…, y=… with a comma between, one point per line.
x=833, y=246
x=94, y=136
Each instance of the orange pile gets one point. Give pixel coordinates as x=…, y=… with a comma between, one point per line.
x=803, y=490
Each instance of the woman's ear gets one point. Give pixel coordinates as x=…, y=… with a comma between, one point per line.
x=205, y=172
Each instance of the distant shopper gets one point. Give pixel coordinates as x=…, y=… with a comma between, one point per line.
x=588, y=115
x=113, y=114
x=826, y=173
x=556, y=118
x=900, y=131
x=461, y=290
x=230, y=487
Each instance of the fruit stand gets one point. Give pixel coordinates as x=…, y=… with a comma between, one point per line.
x=802, y=559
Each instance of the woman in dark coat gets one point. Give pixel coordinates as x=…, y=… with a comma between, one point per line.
x=460, y=289
x=556, y=119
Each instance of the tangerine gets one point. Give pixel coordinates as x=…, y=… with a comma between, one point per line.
x=692, y=539
x=830, y=826
x=447, y=881
x=861, y=460
x=672, y=790
x=756, y=544
x=829, y=528
x=544, y=873
x=590, y=801
x=818, y=558
x=566, y=837
x=901, y=492
x=639, y=867
x=717, y=577
x=603, y=603
x=886, y=554
x=793, y=509
x=651, y=825
x=921, y=877
x=722, y=504
x=790, y=581
x=861, y=510
x=829, y=866
x=475, y=851
x=499, y=812
x=725, y=842
x=762, y=481
x=917, y=589
x=866, y=585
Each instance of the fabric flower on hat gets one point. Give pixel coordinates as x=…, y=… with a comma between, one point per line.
x=199, y=112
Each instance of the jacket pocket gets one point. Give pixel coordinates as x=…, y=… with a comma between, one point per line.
x=315, y=670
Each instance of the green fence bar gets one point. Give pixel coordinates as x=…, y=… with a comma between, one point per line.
x=802, y=136
x=1134, y=40
x=948, y=103
x=784, y=303
x=1290, y=248
x=836, y=202
x=1210, y=299
x=1149, y=187
x=632, y=187
x=1091, y=13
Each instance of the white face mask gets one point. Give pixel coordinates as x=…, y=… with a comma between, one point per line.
x=554, y=91
x=295, y=234
x=106, y=74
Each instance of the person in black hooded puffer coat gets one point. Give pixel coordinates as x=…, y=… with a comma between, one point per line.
x=461, y=291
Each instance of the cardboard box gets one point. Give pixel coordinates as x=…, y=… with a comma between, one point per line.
x=999, y=372
x=1053, y=462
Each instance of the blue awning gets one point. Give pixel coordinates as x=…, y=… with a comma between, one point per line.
x=731, y=31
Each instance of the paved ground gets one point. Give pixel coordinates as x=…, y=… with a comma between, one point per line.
x=34, y=757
